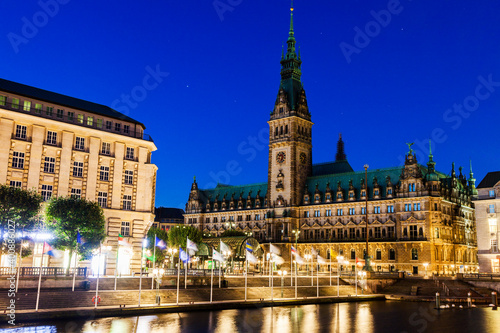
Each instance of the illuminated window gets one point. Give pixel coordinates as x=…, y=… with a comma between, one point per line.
x=80, y=143
x=80, y=118
x=340, y=212
x=102, y=199
x=376, y=210
x=21, y=132
x=389, y=191
x=414, y=254
x=76, y=193
x=493, y=225
x=106, y=148
x=90, y=121
x=125, y=230
x=104, y=173
x=27, y=106
x=127, y=202
x=491, y=209
x=38, y=108
x=129, y=177
x=15, y=183
x=390, y=209
x=15, y=103
x=49, y=165
x=3, y=99
x=77, y=169
x=99, y=123
x=18, y=160
x=46, y=192
x=491, y=193
x=416, y=206
x=51, y=138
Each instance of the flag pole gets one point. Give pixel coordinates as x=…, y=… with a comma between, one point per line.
x=312, y=271
x=39, y=279
x=272, y=280
x=295, y=278
x=212, y=280
x=154, y=263
x=178, y=274
x=330, y=266
x=186, y=265
x=140, y=272
x=219, y=272
x=20, y=262
x=317, y=280
x=74, y=269
x=98, y=271
x=291, y=267
x=246, y=276
x=116, y=265
x=356, y=277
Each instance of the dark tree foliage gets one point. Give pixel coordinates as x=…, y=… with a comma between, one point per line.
x=177, y=235
x=66, y=216
x=19, y=206
x=161, y=234
x=232, y=233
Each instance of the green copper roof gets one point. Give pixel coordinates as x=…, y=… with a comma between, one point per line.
x=221, y=190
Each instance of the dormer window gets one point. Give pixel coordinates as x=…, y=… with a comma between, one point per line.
x=281, y=109
x=375, y=192
x=389, y=191
x=363, y=193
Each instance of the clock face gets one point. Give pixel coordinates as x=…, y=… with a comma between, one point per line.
x=281, y=157
x=303, y=158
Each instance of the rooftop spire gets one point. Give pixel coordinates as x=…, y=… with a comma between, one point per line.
x=340, y=150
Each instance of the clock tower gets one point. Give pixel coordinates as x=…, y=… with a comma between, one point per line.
x=290, y=148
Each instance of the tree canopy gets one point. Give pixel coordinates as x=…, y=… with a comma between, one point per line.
x=177, y=235
x=18, y=205
x=161, y=234
x=66, y=216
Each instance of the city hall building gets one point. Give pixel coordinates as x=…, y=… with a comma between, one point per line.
x=419, y=219
x=63, y=146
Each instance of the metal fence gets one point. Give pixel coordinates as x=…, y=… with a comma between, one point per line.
x=46, y=271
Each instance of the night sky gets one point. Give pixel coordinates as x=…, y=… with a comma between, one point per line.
x=381, y=72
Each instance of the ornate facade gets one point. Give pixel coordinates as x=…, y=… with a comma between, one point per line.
x=63, y=146
x=416, y=214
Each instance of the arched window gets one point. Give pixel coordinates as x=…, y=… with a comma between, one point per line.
x=378, y=254
x=276, y=131
x=414, y=254
x=405, y=232
x=353, y=254
x=286, y=129
x=281, y=130
x=420, y=232
x=392, y=254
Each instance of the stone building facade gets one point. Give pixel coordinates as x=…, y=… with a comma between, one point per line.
x=488, y=224
x=64, y=146
x=419, y=219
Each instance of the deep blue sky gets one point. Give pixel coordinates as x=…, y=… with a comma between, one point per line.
x=224, y=76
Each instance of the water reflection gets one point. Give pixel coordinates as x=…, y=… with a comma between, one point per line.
x=344, y=317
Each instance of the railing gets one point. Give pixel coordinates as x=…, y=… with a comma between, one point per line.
x=191, y=272
x=482, y=276
x=74, y=120
x=46, y=271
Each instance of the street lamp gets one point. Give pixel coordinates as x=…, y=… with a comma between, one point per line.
x=367, y=256
x=282, y=274
x=158, y=274
x=172, y=253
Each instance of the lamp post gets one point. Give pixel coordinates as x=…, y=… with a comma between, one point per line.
x=367, y=256
x=172, y=253
x=296, y=233
x=158, y=273
x=282, y=274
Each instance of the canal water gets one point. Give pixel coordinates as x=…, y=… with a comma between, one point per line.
x=363, y=317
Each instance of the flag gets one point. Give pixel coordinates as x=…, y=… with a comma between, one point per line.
x=217, y=256
x=122, y=241
x=294, y=251
x=321, y=260
x=78, y=237
x=190, y=245
x=160, y=243
x=359, y=262
x=274, y=249
x=333, y=254
x=224, y=247
x=251, y=258
x=47, y=249
x=278, y=260
x=313, y=252
x=249, y=247
x=183, y=255
x=299, y=259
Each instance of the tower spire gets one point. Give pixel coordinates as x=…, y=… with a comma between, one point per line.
x=340, y=150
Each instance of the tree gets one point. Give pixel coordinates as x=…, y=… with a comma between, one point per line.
x=161, y=234
x=232, y=233
x=18, y=205
x=66, y=216
x=177, y=235
x=21, y=207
